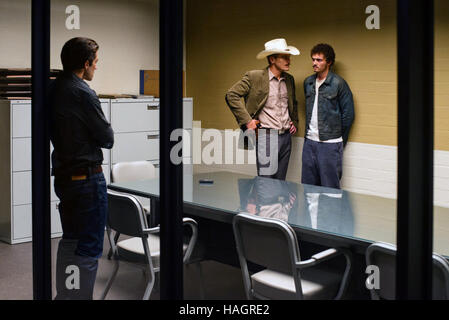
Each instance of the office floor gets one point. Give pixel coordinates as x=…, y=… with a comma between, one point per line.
x=220, y=281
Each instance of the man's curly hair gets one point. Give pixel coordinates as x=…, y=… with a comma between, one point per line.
x=326, y=50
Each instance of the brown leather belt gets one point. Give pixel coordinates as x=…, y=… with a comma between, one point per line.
x=82, y=173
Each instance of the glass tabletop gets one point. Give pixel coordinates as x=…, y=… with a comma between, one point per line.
x=332, y=211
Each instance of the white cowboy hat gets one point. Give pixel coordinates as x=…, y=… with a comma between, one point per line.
x=277, y=46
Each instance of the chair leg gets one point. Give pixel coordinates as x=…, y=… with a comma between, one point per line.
x=346, y=275
x=111, y=279
x=117, y=235
x=149, y=287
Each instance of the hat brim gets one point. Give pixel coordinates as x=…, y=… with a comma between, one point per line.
x=290, y=50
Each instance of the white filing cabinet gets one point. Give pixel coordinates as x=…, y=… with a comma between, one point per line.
x=136, y=134
x=136, y=130
x=15, y=172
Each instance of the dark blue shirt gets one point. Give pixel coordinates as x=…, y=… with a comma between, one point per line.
x=78, y=127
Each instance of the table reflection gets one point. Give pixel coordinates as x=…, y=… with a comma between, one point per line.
x=318, y=208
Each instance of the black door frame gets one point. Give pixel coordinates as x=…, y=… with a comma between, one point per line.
x=171, y=187
x=415, y=23
x=40, y=64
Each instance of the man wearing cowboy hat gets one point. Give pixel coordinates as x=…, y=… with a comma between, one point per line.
x=270, y=104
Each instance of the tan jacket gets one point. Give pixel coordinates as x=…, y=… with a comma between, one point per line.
x=254, y=89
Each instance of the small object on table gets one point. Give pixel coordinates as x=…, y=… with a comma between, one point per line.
x=206, y=181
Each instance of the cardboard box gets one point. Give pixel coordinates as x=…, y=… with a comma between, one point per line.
x=149, y=83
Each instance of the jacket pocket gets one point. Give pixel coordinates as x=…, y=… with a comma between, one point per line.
x=330, y=95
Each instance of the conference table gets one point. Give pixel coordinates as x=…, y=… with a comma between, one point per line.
x=322, y=216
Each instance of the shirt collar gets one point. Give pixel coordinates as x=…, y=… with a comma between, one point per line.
x=271, y=75
x=75, y=78
x=329, y=77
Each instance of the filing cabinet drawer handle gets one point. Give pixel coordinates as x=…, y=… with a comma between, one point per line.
x=150, y=107
x=152, y=136
x=156, y=165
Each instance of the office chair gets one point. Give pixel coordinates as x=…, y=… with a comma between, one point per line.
x=132, y=171
x=272, y=243
x=126, y=216
x=383, y=255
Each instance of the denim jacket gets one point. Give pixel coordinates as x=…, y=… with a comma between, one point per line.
x=335, y=107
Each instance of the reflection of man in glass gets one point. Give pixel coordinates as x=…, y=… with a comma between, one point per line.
x=270, y=103
x=318, y=208
x=329, y=116
x=79, y=130
x=269, y=198
x=325, y=209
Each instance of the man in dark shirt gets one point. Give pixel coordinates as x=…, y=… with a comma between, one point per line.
x=78, y=131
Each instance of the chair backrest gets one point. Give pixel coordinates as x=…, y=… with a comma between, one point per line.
x=271, y=243
x=383, y=255
x=125, y=214
x=133, y=171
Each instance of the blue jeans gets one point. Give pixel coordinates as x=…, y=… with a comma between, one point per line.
x=322, y=163
x=83, y=211
x=75, y=274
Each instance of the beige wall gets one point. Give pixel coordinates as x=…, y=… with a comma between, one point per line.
x=127, y=32
x=442, y=75
x=224, y=36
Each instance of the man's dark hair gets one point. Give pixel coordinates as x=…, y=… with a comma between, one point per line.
x=76, y=52
x=326, y=50
x=271, y=55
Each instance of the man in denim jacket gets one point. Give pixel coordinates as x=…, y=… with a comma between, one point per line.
x=329, y=116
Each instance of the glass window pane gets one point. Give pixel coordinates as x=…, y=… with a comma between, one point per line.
x=15, y=143
x=127, y=35
x=441, y=154
x=223, y=39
